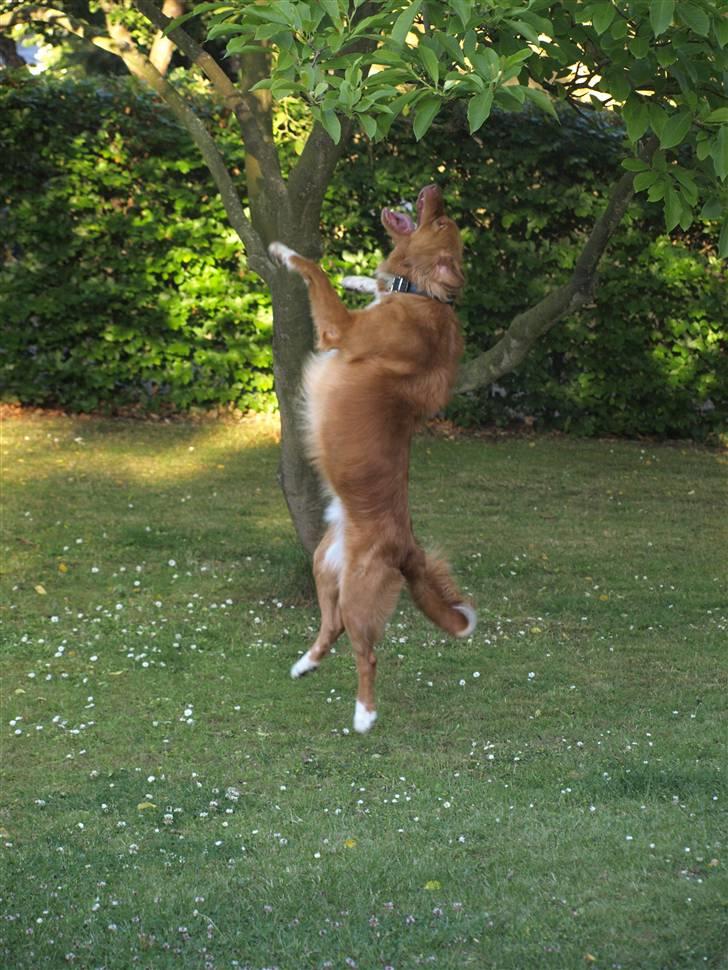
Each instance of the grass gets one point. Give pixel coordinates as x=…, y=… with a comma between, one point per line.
x=549, y=794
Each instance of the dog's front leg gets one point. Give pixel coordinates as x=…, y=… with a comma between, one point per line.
x=332, y=319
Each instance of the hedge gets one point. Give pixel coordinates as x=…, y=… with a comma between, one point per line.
x=122, y=284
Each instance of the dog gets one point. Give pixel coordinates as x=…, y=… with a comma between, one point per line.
x=379, y=372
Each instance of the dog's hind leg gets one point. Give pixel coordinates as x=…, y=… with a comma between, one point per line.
x=368, y=598
x=327, y=577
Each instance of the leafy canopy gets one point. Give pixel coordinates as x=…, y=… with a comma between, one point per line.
x=660, y=65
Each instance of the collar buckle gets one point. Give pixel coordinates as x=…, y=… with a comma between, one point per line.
x=400, y=284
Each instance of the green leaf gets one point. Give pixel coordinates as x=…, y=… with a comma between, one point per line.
x=686, y=218
x=332, y=9
x=694, y=17
x=452, y=47
x=666, y=56
x=486, y=62
x=403, y=23
x=661, y=14
x=720, y=26
x=369, y=125
x=479, y=109
x=620, y=28
x=658, y=119
x=644, y=180
x=425, y=113
x=618, y=84
x=602, y=16
x=657, y=190
x=524, y=29
x=331, y=123
x=703, y=146
x=464, y=9
x=542, y=101
x=673, y=208
x=199, y=9
x=640, y=47
x=635, y=165
x=719, y=116
x=687, y=184
x=675, y=129
x=719, y=152
x=713, y=209
x=636, y=116
x=429, y=60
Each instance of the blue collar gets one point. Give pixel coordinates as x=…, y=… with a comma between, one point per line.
x=400, y=284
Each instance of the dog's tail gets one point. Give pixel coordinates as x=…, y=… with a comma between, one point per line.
x=435, y=593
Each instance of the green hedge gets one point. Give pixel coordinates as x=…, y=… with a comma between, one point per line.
x=121, y=282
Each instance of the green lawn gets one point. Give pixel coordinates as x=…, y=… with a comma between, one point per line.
x=549, y=794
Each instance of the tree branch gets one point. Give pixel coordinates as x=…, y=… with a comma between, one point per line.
x=122, y=44
x=309, y=179
x=526, y=328
x=257, y=136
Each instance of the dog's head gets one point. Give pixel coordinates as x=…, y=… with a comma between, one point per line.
x=429, y=252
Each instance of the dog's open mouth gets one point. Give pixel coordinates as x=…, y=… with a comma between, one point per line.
x=428, y=205
x=398, y=222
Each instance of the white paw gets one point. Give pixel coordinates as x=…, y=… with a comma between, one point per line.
x=470, y=615
x=281, y=254
x=359, y=284
x=363, y=719
x=304, y=665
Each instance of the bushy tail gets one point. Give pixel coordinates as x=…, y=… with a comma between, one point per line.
x=435, y=593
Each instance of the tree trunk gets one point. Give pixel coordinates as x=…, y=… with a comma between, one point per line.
x=9, y=53
x=292, y=344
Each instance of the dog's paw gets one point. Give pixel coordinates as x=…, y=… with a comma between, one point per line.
x=304, y=665
x=359, y=284
x=363, y=719
x=281, y=254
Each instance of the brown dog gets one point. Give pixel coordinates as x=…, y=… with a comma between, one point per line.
x=380, y=371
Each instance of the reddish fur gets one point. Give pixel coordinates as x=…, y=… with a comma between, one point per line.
x=394, y=364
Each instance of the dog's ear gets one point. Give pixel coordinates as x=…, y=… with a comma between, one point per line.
x=447, y=271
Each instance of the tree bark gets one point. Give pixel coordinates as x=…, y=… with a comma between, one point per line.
x=9, y=53
x=292, y=345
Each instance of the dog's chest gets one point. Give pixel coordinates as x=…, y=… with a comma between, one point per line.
x=319, y=387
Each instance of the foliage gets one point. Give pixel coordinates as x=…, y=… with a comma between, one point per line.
x=172, y=800
x=122, y=283
x=661, y=64
x=161, y=312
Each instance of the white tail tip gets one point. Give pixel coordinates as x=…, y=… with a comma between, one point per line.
x=304, y=665
x=470, y=615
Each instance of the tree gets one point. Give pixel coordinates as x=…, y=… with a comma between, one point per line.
x=659, y=66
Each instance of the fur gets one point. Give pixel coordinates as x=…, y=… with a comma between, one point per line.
x=380, y=371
